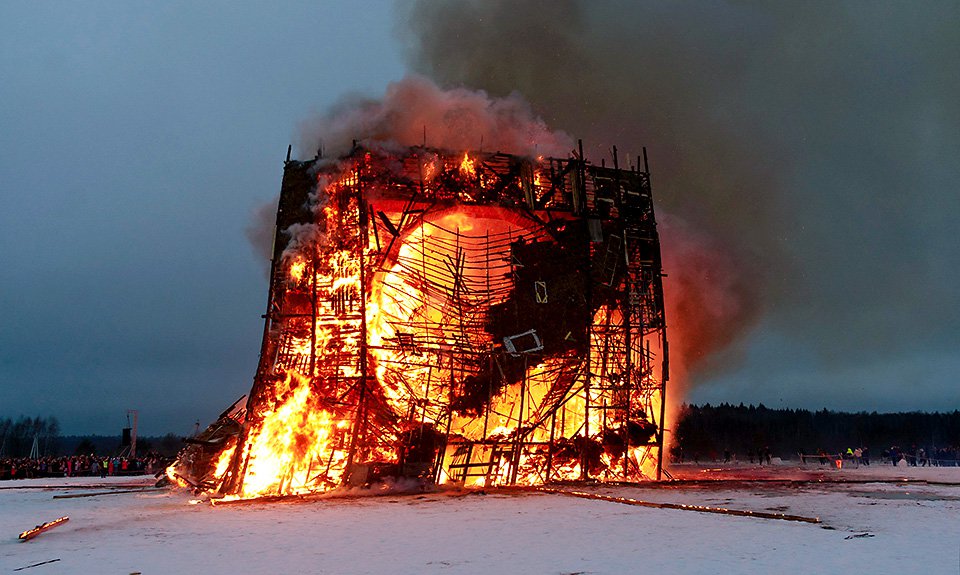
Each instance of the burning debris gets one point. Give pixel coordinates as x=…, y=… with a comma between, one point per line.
x=475, y=318
x=31, y=533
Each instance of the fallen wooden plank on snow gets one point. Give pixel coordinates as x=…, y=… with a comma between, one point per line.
x=115, y=492
x=36, y=564
x=680, y=506
x=31, y=533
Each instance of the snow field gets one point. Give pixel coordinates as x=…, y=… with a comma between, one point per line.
x=908, y=527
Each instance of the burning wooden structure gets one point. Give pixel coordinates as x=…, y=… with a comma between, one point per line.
x=454, y=317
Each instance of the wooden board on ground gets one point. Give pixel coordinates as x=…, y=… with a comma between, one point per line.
x=31, y=533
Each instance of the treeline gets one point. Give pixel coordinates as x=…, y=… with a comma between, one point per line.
x=104, y=445
x=708, y=431
x=18, y=438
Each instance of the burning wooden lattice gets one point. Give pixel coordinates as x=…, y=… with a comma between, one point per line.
x=478, y=318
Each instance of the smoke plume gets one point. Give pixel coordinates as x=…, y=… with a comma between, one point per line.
x=414, y=111
x=710, y=300
x=806, y=152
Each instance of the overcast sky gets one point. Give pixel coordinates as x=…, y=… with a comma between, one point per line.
x=138, y=139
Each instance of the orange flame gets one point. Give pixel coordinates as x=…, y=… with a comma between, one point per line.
x=296, y=270
x=468, y=166
x=292, y=443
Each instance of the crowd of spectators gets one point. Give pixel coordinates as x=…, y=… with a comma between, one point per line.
x=80, y=465
x=920, y=457
x=912, y=457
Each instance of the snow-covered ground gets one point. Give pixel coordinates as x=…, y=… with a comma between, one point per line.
x=874, y=524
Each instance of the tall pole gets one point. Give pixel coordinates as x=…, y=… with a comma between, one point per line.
x=133, y=433
x=664, y=347
x=588, y=289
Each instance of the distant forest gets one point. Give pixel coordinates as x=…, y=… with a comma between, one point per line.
x=18, y=437
x=706, y=432
x=701, y=432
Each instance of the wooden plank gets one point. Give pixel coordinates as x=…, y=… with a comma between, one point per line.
x=115, y=492
x=680, y=506
x=31, y=533
x=36, y=564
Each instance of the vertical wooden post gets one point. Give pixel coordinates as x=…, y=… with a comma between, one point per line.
x=588, y=289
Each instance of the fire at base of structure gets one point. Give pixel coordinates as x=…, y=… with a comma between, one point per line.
x=454, y=317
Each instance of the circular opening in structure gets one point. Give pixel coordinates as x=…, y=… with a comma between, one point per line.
x=429, y=311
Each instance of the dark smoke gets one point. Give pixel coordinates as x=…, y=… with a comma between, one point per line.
x=812, y=146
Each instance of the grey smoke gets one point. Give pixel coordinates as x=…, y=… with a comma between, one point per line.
x=414, y=111
x=816, y=144
x=260, y=231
